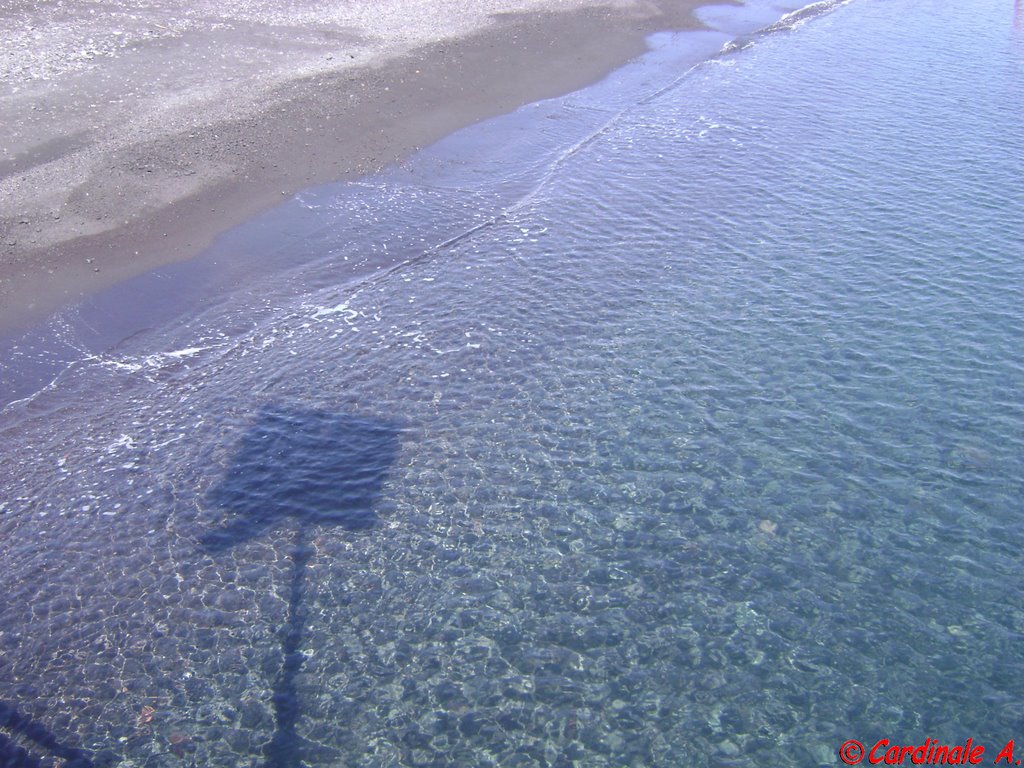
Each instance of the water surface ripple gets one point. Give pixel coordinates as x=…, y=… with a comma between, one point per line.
x=703, y=446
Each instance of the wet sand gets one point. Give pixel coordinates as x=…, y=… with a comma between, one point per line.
x=131, y=140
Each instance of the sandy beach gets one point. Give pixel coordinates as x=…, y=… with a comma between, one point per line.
x=132, y=138
x=673, y=421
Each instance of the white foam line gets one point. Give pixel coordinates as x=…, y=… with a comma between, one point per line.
x=589, y=139
x=49, y=386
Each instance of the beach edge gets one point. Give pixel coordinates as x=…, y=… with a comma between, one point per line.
x=304, y=137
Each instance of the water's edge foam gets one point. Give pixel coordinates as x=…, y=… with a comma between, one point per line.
x=37, y=361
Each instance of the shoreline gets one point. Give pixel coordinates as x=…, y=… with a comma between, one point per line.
x=173, y=188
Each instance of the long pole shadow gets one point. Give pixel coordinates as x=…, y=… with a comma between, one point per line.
x=285, y=747
x=314, y=469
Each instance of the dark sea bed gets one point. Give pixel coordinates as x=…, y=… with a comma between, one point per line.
x=674, y=422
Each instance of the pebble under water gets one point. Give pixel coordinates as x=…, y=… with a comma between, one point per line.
x=684, y=427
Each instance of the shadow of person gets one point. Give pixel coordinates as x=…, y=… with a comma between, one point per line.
x=307, y=469
x=14, y=755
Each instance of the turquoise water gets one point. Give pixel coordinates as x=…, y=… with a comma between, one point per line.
x=677, y=422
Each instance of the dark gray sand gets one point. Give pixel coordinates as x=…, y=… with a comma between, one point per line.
x=130, y=138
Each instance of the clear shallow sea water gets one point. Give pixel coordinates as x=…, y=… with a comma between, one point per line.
x=678, y=422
